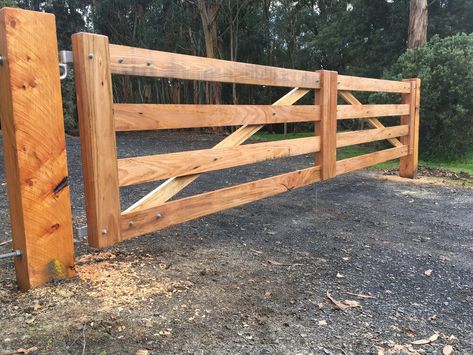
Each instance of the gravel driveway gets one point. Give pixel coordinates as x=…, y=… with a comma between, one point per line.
x=395, y=257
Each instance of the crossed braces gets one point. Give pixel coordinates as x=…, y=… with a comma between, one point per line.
x=172, y=186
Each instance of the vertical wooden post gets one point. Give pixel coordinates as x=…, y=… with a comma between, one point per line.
x=98, y=141
x=326, y=97
x=409, y=164
x=34, y=147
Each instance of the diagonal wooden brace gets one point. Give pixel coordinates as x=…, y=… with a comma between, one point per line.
x=172, y=186
x=373, y=122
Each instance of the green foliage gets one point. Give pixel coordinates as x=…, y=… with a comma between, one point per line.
x=8, y=3
x=357, y=37
x=445, y=67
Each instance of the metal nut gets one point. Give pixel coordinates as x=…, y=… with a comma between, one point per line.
x=121, y=60
x=104, y=231
x=91, y=55
x=158, y=216
x=1, y=60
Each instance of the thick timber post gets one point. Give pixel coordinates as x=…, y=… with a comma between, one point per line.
x=34, y=147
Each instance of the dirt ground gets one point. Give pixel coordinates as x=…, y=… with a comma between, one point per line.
x=396, y=258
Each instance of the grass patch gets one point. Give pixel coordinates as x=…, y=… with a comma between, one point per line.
x=462, y=165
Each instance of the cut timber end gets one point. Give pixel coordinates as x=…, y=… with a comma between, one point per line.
x=35, y=147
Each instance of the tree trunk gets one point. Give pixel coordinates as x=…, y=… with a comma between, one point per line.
x=418, y=19
x=209, y=27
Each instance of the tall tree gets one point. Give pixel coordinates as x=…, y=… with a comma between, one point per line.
x=418, y=20
x=209, y=16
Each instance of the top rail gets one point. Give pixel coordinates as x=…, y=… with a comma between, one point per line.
x=144, y=62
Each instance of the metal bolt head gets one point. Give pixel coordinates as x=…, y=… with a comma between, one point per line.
x=1, y=60
x=104, y=231
x=148, y=64
x=121, y=60
x=131, y=224
x=158, y=216
x=91, y=55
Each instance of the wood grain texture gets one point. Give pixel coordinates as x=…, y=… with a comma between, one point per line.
x=171, y=187
x=132, y=171
x=144, y=62
x=97, y=134
x=171, y=213
x=345, y=139
x=139, y=170
x=175, y=212
x=34, y=147
x=367, y=160
x=373, y=122
x=409, y=164
x=136, y=117
x=368, y=111
x=355, y=83
x=326, y=128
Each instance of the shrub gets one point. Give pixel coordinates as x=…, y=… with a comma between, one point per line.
x=445, y=66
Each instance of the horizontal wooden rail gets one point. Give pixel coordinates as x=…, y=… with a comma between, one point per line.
x=356, y=83
x=145, y=169
x=346, y=139
x=144, y=62
x=366, y=111
x=367, y=160
x=141, y=222
x=141, y=117
x=150, y=168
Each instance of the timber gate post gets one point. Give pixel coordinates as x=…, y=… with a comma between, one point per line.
x=34, y=147
x=98, y=141
x=409, y=164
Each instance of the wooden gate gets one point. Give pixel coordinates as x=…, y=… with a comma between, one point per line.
x=96, y=60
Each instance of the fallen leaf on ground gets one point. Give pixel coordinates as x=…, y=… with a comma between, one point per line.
x=340, y=276
x=142, y=352
x=447, y=350
x=426, y=341
x=428, y=272
x=322, y=322
x=342, y=305
x=358, y=295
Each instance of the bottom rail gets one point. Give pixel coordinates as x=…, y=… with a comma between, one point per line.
x=364, y=161
x=134, y=224
x=137, y=223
